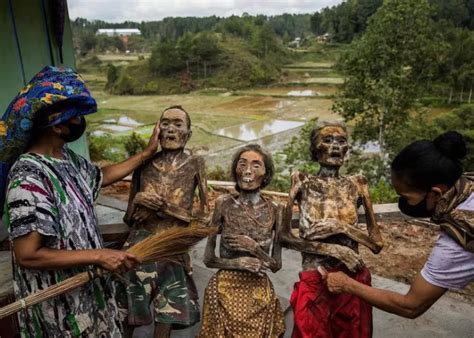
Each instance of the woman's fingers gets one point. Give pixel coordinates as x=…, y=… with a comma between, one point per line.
x=322, y=271
x=153, y=142
x=134, y=258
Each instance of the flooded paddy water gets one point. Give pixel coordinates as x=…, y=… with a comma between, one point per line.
x=258, y=129
x=225, y=120
x=224, y=124
x=312, y=90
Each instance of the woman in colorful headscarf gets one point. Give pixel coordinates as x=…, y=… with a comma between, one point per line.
x=49, y=207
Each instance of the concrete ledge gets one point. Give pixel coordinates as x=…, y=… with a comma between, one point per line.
x=111, y=202
x=382, y=211
x=110, y=213
x=116, y=232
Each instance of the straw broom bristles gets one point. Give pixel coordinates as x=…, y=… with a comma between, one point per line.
x=163, y=245
x=171, y=242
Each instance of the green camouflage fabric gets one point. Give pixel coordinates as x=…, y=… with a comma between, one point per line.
x=168, y=285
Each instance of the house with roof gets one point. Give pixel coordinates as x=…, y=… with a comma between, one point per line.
x=118, y=31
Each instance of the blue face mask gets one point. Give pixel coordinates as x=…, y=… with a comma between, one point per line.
x=418, y=210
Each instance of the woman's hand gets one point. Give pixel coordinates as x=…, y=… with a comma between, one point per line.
x=114, y=172
x=337, y=282
x=116, y=260
x=152, y=145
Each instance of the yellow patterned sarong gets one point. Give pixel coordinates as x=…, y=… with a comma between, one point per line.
x=241, y=304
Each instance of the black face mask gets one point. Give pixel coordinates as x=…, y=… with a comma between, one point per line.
x=417, y=210
x=75, y=130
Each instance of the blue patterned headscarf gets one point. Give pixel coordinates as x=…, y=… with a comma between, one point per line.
x=52, y=87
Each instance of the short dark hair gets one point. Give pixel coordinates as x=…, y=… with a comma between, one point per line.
x=267, y=160
x=315, y=133
x=188, y=118
x=423, y=164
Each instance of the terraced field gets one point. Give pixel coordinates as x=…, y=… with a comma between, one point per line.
x=305, y=91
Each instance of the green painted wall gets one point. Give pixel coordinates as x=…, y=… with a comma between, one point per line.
x=27, y=45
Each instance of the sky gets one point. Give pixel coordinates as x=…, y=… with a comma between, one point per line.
x=154, y=10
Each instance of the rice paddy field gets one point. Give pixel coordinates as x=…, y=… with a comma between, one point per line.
x=223, y=119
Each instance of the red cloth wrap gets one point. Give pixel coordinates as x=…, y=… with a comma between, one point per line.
x=319, y=313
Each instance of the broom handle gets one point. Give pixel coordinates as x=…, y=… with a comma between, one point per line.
x=48, y=293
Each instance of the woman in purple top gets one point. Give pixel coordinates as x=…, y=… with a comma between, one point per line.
x=428, y=176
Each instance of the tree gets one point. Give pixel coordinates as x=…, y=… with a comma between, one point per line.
x=86, y=42
x=461, y=120
x=456, y=71
x=363, y=11
x=205, y=48
x=317, y=24
x=387, y=69
x=264, y=41
x=134, y=144
x=295, y=156
x=165, y=58
x=112, y=76
x=455, y=11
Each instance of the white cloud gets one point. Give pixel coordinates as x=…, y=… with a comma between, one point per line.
x=152, y=10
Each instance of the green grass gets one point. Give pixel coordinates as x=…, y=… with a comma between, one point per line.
x=215, y=107
x=310, y=65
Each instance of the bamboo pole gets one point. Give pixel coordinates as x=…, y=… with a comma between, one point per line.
x=229, y=184
x=48, y=293
x=232, y=184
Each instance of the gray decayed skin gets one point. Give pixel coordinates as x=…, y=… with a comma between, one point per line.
x=162, y=192
x=328, y=206
x=248, y=224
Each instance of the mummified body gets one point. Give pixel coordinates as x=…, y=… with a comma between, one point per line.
x=161, y=196
x=329, y=237
x=240, y=300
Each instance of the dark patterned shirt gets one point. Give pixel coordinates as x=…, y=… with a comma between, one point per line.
x=55, y=198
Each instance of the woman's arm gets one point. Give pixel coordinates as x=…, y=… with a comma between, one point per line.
x=31, y=254
x=419, y=298
x=114, y=172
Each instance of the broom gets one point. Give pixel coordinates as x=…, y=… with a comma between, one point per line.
x=164, y=245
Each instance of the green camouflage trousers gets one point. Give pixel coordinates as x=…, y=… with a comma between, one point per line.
x=168, y=285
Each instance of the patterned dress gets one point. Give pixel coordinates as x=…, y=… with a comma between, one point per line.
x=55, y=198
